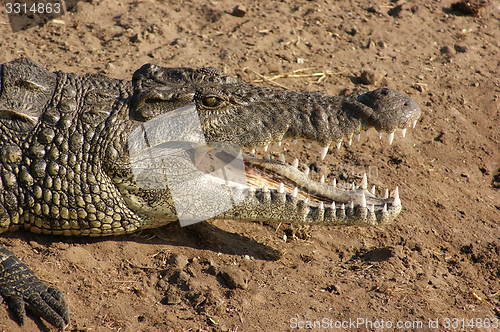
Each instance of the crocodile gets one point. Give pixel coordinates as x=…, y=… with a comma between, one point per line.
x=66, y=161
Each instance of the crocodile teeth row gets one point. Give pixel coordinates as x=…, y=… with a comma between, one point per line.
x=334, y=213
x=390, y=139
x=324, y=149
x=281, y=189
x=396, y=200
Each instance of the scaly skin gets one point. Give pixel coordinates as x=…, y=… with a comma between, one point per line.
x=66, y=168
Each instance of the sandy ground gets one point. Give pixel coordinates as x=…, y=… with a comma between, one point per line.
x=439, y=261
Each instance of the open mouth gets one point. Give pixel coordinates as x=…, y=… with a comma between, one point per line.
x=286, y=189
x=348, y=203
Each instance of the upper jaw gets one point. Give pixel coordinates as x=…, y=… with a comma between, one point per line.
x=330, y=120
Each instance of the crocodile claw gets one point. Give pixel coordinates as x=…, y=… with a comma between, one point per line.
x=22, y=289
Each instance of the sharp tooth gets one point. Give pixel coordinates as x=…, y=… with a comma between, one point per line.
x=384, y=210
x=344, y=186
x=386, y=193
x=366, y=132
x=397, y=201
x=363, y=200
x=353, y=187
x=373, y=190
x=253, y=151
x=352, y=204
x=267, y=156
x=379, y=135
x=414, y=123
x=281, y=188
x=342, y=206
x=295, y=191
x=306, y=200
x=334, y=182
x=265, y=189
x=322, y=180
x=358, y=136
x=306, y=171
x=323, y=151
x=282, y=158
x=321, y=206
x=294, y=141
x=390, y=138
x=332, y=206
x=308, y=145
x=349, y=142
x=279, y=143
x=364, y=182
x=339, y=144
x=295, y=163
x=372, y=208
x=403, y=132
x=265, y=148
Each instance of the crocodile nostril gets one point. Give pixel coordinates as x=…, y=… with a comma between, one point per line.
x=405, y=103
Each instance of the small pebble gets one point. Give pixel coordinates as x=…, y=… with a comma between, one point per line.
x=239, y=11
x=461, y=48
x=374, y=9
x=396, y=11
x=136, y=38
x=419, y=246
x=370, y=77
x=447, y=50
x=419, y=87
x=234, y=277
x=110, y=67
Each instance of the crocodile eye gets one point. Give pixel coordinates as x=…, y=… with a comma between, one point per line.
x=211, y=101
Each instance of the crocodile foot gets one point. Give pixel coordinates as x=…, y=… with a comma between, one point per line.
x=22, y=289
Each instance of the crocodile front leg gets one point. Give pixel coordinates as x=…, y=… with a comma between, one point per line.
x=22, y=289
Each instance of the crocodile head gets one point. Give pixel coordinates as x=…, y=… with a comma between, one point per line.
x=87, y=155
x=248, y=117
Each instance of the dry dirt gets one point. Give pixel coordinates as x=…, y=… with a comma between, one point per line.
x=438, y=260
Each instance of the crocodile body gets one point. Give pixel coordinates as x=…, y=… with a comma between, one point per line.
x=65, y=160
